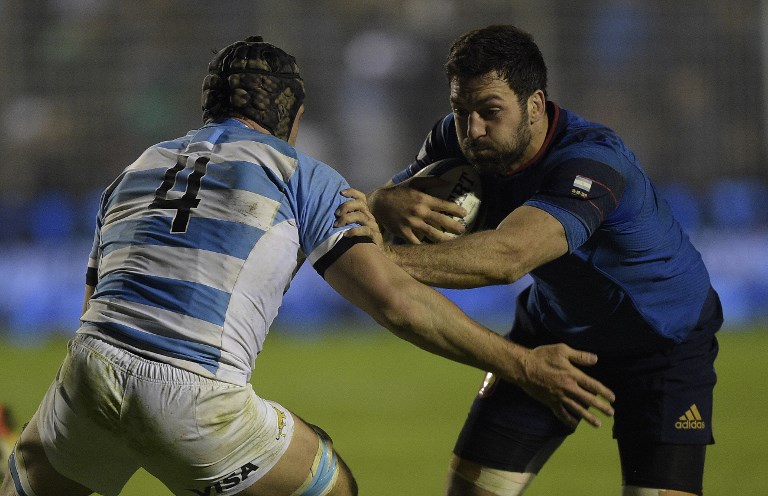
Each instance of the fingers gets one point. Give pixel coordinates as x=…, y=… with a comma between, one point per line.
x=564, y=416
x=353, y=193
x=360, y=231
x=441, y=223
x=569, y=391
x=409, y=213
x=351, y=206
x=576, y=411
x=411, y=237
x=597, y=388
x=361, y=217
x=599, y=401
x=434, y=203
x=437, y=235
x=581, y=357
x=571, y=409
x=594, y=386
x=444, y=207
x=354, y=211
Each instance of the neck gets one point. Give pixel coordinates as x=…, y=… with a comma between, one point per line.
x=539, y=131
x=252, y=124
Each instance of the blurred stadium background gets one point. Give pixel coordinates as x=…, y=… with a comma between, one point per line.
x=88, y=84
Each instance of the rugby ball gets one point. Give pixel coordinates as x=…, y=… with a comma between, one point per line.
x=463, y=186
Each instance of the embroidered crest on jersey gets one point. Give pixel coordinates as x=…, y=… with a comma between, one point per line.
x=581, y=186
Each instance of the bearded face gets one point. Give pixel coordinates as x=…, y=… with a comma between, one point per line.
x=498, y=156
x=492, y=125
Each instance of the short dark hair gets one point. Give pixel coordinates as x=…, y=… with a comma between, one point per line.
x=504, y=49
x=256, y=80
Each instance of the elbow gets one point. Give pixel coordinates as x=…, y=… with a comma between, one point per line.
x=396, y=316
x=518, y=261
x=400, y=315
x=511, y=274
x=505, y=272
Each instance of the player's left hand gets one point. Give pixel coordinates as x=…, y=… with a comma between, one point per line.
x=356, y=211
x=407, y=212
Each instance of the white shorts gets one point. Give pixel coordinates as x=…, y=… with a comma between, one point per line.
x=110, y=412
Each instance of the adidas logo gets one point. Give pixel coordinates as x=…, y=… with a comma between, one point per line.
x=691, y=419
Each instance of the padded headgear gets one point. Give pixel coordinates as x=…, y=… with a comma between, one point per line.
x=257, y=80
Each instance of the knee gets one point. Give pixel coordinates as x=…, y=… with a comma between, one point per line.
x=329, y=475
x=346, y=485
x=6, y=487
x=469, y=478
x=645, y=491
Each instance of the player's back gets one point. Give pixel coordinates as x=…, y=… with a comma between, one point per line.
x=196, y=244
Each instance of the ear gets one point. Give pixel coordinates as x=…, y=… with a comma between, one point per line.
x=537, y=107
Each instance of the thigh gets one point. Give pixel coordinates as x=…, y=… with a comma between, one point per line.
x=77, y=423
x=666, y=466
x=508, y=430
x=30, y=471
x=236, y=442
x=665, y=397
x=310, y=466
x=203, y=436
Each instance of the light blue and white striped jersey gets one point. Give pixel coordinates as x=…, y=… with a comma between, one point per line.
x=197, y=241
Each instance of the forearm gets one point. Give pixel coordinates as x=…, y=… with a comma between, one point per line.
x=527, y=238
x=465, y=262
x=421, y=315
x=440, y=327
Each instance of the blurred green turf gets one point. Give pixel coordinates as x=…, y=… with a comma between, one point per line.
x=394, y=412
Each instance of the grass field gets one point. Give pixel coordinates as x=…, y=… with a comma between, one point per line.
x=394, y=412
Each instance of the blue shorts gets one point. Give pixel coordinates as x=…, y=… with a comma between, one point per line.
x=663, y=392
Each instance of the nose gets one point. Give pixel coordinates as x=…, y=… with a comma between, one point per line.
x=475, y=126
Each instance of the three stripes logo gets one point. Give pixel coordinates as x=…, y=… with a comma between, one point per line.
x=690, y=420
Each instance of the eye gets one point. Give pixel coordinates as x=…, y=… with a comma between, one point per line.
x=490, y=113
x=459, y=112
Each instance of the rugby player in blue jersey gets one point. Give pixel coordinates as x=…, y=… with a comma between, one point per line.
x=613, y=273
x=195, y=244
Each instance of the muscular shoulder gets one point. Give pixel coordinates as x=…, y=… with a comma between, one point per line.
x=580, y=139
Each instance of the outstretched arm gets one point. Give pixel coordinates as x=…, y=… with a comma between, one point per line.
x=421, y=315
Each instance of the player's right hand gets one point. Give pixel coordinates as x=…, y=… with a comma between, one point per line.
x=409, y=213
x=355, y=211
x=551, y=376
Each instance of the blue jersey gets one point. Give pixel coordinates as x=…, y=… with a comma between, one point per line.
x=624, y=245
x=197, y=241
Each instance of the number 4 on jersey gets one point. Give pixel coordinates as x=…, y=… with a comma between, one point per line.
x=188, y=200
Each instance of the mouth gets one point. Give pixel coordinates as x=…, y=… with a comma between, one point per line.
x=481, y=151
x=475, y=147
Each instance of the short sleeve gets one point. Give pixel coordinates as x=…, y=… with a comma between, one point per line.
x=317, y=193
x=581, y=193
